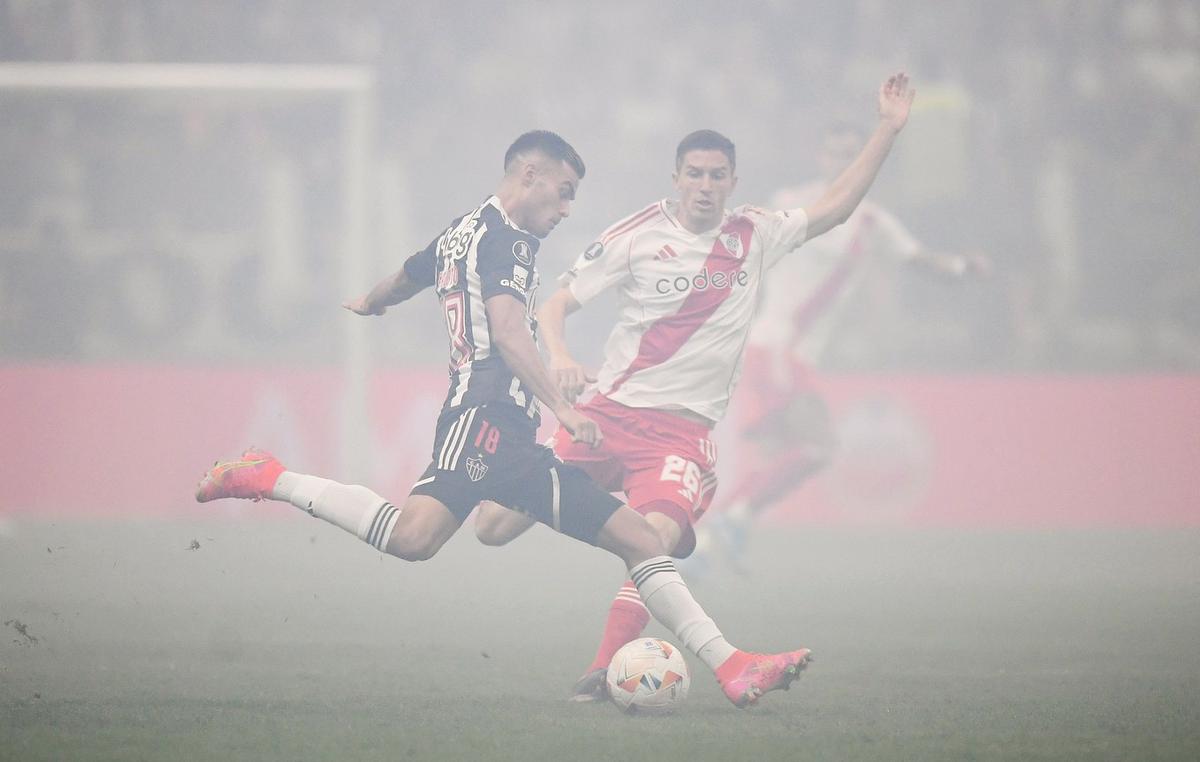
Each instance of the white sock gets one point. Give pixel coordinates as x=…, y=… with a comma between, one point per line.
x=356, y=509
x=670, y=601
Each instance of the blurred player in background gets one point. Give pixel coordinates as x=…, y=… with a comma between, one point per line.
x=688, y=274
x=785, y=424
x=483, y=268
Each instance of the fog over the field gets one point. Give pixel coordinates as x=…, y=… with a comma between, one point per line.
x=1061, y=139
x=999, y=560
x=246, y=639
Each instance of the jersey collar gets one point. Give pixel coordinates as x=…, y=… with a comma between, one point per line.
x=494, y=200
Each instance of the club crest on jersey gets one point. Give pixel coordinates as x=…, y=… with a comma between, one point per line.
x=522, y=252
x=593, y=251
x=733, y=244
x=476, y=469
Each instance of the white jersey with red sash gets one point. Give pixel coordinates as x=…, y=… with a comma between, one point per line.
x=686, y=302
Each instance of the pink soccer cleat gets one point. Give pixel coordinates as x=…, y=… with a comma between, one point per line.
x=253, y=477
x=746, y=676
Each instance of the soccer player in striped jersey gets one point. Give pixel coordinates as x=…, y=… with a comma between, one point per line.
x=688, y=274
x=484, y=270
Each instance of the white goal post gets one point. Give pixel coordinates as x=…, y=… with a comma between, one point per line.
x=355, y=89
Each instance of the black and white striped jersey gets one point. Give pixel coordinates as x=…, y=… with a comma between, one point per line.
x=482, y=254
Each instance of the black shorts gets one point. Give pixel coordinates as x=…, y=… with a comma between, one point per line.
x=489, y=452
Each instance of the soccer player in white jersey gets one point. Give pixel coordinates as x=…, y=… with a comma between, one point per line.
x=688, y=273
x=783, y=418
x=483, y=268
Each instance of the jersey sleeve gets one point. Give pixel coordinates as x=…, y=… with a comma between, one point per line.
x=505, y=263
x=781, y=231
x=421, y=268
x=600, y=266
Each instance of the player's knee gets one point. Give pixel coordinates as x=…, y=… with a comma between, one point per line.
x=630, y=536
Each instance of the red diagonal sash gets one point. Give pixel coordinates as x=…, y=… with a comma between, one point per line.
x=666, y=335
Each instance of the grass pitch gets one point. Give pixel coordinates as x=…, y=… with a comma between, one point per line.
x=283, y=639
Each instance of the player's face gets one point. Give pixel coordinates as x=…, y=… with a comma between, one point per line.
x=704, y=181
x=837, y=151
x=548, y=196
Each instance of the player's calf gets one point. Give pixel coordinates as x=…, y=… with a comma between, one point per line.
x=628, y=535
x=414, y=531
x=421, y=529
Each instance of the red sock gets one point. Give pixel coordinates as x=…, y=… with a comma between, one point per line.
x=627, y=617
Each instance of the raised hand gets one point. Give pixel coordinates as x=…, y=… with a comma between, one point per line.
x=895, y=100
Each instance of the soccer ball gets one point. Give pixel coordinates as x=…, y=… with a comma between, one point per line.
x=648, y=675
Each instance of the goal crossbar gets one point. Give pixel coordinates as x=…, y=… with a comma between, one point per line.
x=179, y=76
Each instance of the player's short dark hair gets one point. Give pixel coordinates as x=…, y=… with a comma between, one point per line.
x=548, y=143
x=706, y=140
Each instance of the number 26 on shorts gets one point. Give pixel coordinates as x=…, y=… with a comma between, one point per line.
x=676, y=469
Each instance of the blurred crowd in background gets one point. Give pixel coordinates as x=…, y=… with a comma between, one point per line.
x=1060, y=138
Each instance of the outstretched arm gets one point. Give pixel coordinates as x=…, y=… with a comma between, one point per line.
x=389, y=291
x=892, y=237
x=506, y=321
x=844, y=195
